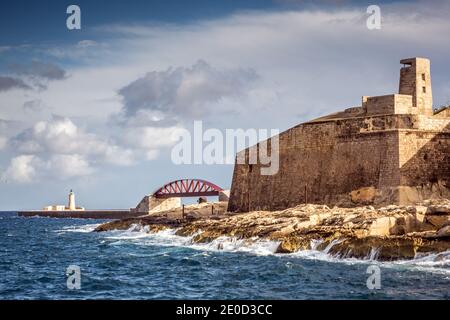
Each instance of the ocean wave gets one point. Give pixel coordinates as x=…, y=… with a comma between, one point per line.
x=229, y=244
x=432, y=262
x=139, y=235
x=85, y=228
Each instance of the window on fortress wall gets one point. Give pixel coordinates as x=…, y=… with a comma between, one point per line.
x=424, y=90
x=423, y=76
x=250, y=168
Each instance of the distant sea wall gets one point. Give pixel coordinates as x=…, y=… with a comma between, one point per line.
x=87, y=214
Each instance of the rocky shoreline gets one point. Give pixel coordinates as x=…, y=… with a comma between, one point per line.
x=387, y=233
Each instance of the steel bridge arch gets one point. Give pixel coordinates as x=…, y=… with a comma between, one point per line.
x=187, y=188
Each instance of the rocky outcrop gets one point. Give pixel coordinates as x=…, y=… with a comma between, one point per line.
x=388, y=233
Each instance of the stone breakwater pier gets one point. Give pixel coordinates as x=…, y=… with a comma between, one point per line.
x=72, y=211
x=86, y=214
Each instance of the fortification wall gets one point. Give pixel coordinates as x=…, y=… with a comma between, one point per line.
x=323, y=163
x=392, y=149
x=377, y=160
x=425, y=163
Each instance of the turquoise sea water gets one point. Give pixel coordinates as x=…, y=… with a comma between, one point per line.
x=35, y=253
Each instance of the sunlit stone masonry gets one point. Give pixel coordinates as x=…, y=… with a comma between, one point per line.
x=393, y=149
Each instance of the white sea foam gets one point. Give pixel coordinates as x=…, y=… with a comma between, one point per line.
x=436, y=263
x=85, y=228
x=141, y=236
x=229, y=244
x=134, y=232
x=433, y=262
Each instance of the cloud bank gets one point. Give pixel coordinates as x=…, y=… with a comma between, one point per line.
x=8, y=83
x=185, y=91
x=127, y=96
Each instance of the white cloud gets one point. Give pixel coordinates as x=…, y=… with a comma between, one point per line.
x=59, y=149
x=10, y=83
x=25, y=169
x=84, y=50
x=314, y=61
x=65, y=150
x=119, y=156
x=152, y=154
x=10, y=128
x=67, y=166
x=186, y=91
x=39, y=69
x=21, y=169
x=151, y=137
x=35, y=105
x=86, y=44
x=61, y=136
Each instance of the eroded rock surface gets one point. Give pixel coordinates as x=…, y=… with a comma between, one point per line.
x=388, y=233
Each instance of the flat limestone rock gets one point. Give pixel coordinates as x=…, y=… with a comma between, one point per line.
x=389, y=233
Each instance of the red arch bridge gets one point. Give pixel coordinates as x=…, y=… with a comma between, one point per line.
x=187, y=188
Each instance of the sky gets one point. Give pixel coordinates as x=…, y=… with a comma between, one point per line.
x=97, y=110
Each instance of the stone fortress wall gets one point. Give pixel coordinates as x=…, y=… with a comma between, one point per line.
x=393, y=149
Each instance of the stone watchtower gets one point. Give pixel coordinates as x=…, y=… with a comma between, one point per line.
x=415, y=80
x=393, y=149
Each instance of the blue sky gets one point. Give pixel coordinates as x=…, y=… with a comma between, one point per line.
x=43, y=21
x=94, y=109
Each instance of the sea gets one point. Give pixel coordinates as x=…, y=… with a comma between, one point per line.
x=48, y=258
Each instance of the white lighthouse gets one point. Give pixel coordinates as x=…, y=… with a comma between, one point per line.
x=71, y=205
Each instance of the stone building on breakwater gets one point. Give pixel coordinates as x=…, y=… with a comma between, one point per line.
x=393, y=149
